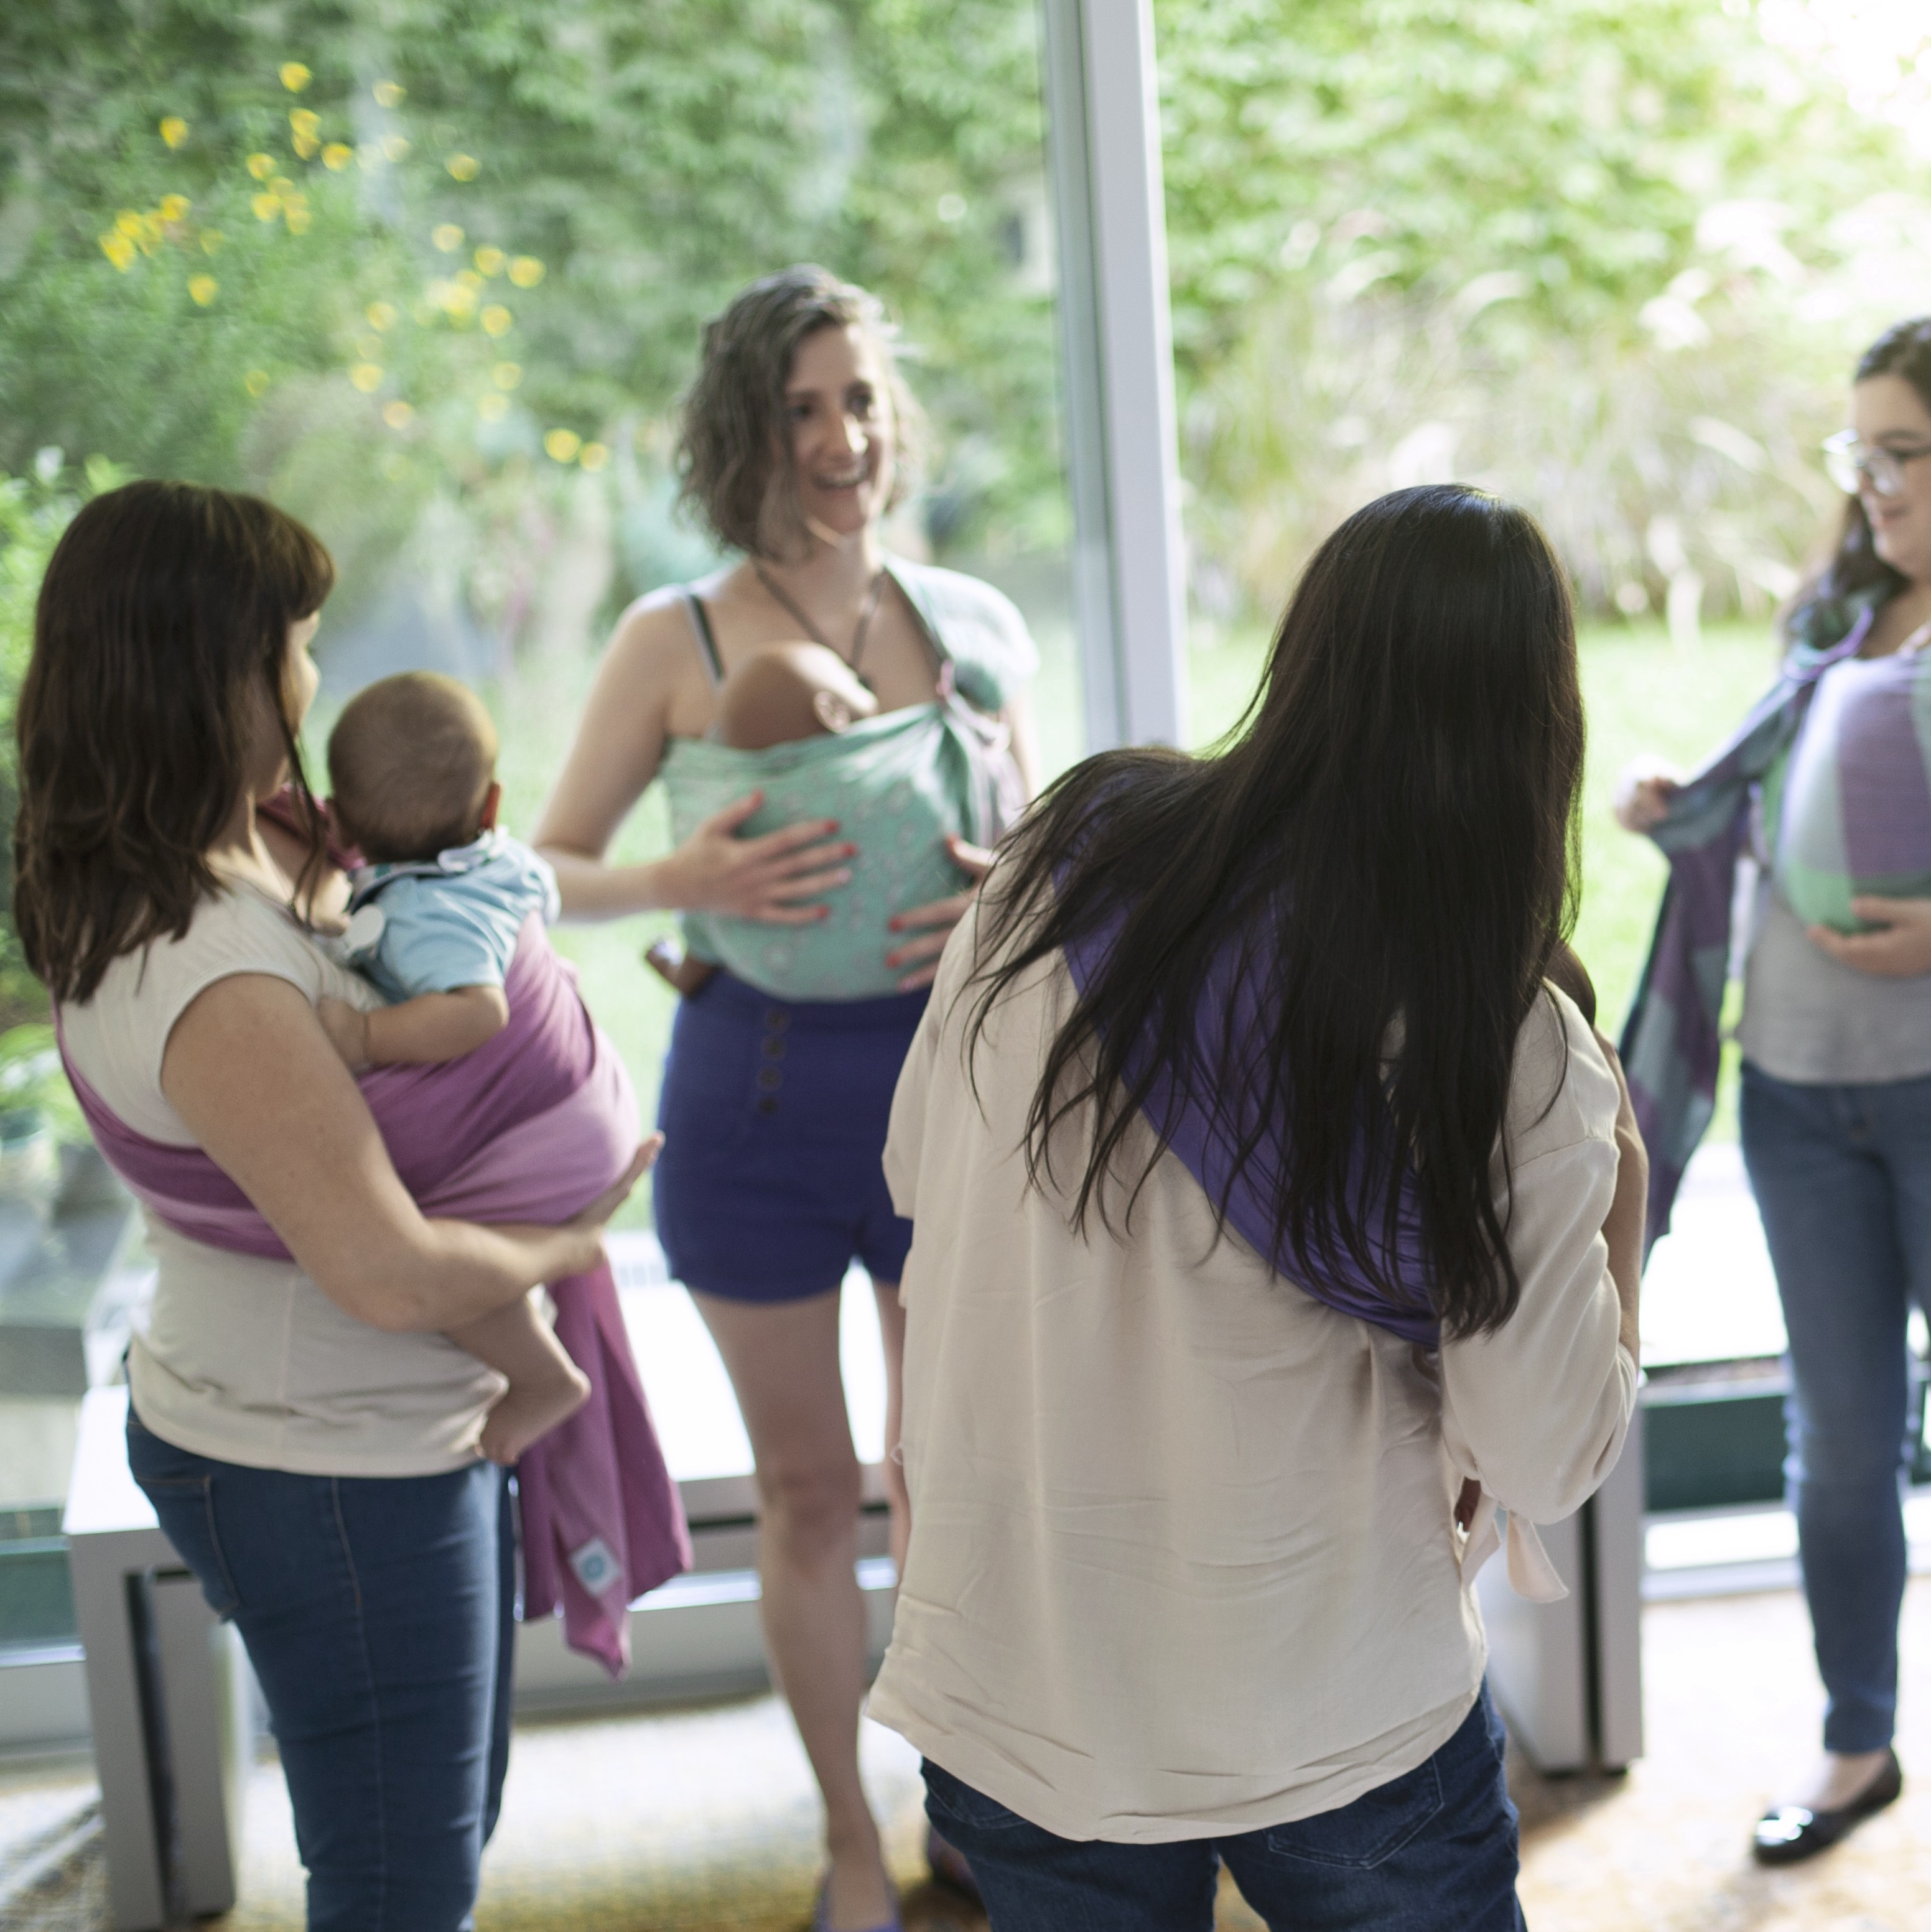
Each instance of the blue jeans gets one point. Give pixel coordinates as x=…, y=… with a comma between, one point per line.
x=1843, y=1178
x=378, y=1615
x=1433, y=1850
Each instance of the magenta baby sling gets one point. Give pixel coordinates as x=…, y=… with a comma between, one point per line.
x=531, y=1127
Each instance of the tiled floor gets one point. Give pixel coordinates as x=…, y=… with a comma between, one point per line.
x=702, y=1819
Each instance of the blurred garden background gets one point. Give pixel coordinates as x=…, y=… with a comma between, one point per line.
x=431, y=276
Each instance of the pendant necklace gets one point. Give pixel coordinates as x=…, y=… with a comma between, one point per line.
x=872, y=594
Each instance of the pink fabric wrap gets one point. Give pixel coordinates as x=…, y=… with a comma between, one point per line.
x=531, y=1127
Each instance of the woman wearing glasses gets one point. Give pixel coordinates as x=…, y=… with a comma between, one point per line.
x=1826, y=787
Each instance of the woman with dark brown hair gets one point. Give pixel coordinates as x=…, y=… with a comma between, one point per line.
x=827, y=925
x=307, y=1437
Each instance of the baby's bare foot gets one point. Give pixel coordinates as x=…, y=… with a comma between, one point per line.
x=526, y=1412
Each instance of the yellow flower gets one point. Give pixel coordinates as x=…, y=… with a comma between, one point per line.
x=497, y=320
x=203, y=288
x=593, y=456
x=299, y=219
x=455, y=302
x=173, y=130
x=306, y=121
x=381, y=315
x=261, y=165
x=173, y=207
x=493, y=408
x=397, y=414
x=367, y=376
x=505, y=375
x=395, y=147
x=449, y=237
x=266, y=206
x=305, y=144
x=464, y=167
x=387, y=95
x=281, y=184
x=294, y=76
x=490, y=260
x=561, y=446
x=337, y=155
x=256, y=382
x=130, y=224
x=118, y=250
x=526, y=271
x=470, y=280
x=211, y=240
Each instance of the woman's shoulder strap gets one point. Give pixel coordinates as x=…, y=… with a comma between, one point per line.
x=700, y=630
x=976, y=628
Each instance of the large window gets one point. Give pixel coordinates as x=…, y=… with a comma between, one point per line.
x=434, y=281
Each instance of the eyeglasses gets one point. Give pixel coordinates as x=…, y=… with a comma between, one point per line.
x=1850, y=464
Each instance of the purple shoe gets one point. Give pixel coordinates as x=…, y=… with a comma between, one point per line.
x=821, y=1924
x=949, y=1866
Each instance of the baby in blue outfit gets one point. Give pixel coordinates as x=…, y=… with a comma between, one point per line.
x=434, y=915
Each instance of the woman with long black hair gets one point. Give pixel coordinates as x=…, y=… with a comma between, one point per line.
x=1274, y=1219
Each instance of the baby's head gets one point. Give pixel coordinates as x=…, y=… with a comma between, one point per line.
x=412, y=765
x=785, y=692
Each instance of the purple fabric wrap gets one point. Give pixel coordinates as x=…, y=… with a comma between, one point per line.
x=1207, y=1142
x=531, y=1127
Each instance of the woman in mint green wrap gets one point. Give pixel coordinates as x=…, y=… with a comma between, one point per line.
x=823, y=876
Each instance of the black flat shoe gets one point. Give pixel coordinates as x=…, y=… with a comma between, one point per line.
x=1791, y=1833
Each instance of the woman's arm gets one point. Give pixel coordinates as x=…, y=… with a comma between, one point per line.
x=251, y=1073
x=619, y=745
x=1537, y=1410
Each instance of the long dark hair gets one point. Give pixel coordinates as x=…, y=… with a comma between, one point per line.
x=734, y=435
x=162, y=626
x=1826, y=606
x=1390, y=832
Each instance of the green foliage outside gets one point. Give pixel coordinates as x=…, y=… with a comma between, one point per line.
x=414, y=271
x=1613, y=258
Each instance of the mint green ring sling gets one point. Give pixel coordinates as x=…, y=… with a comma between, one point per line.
x=896, y=784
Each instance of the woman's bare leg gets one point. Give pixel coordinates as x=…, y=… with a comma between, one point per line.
x=892, y=1334
x=782, y=1359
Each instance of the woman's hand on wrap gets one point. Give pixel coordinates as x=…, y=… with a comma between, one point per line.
x=1644, y=789
x=1899, y=950
x=933, y=923
x=594, y=1219
x=768, y=877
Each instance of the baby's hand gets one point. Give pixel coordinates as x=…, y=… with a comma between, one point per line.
x=347, y=1027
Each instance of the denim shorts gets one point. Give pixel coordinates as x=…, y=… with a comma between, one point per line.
x=774, y=1114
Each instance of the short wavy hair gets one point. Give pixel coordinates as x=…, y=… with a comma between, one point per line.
x=733, y=428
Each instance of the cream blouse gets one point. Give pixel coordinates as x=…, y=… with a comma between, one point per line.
x=241, y=1359
x=1183, y=1557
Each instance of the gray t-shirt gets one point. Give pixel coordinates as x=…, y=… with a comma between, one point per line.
x=1809, y=1019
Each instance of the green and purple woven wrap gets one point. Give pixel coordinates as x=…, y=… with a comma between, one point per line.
x=1850, y=811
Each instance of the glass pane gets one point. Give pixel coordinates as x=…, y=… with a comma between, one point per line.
x=438, y=293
